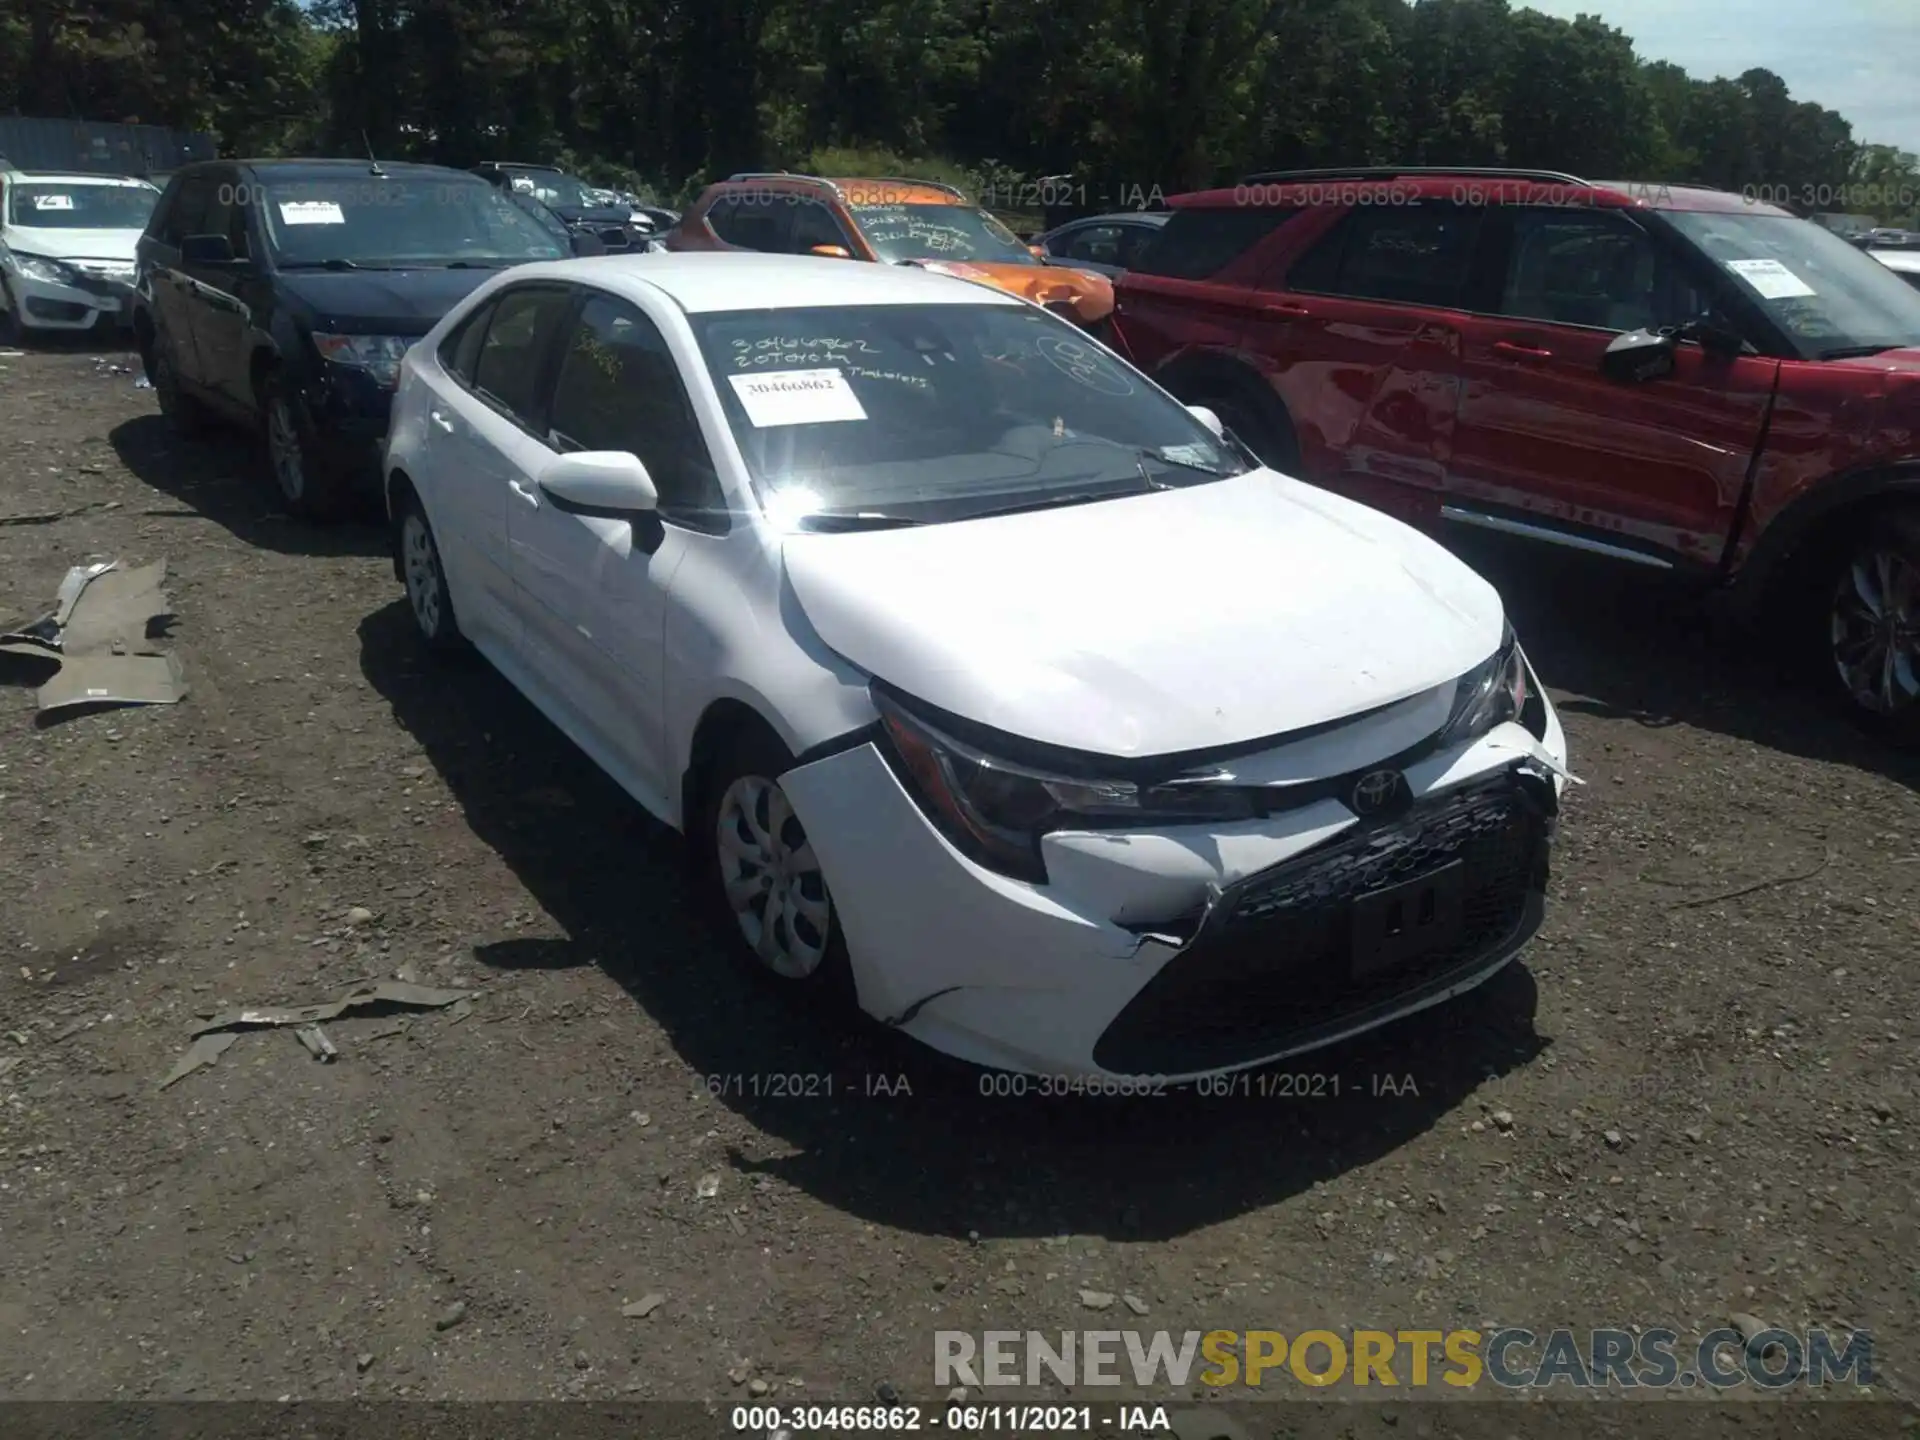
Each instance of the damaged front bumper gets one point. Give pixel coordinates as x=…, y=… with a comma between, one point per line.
x=1188, y=951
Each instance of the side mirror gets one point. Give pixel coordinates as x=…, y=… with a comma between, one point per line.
x=206, y=250
x=831, y=252
x=1039, y=252
x=612, y=484
x=1207, y=418
x=1714, y=336
x=1638, y=356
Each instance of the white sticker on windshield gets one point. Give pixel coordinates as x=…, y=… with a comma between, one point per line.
x=523, y=184
x=53, y=202
x=797, y=397
x=311, y=212
x=1773, y=280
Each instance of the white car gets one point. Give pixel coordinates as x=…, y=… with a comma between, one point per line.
x=997, y=691
x=67, y=248
x=1904, y=263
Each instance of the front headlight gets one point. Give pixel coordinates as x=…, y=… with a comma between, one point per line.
x=39, y=267
x=378, y=355
x=1490, y=694
x=995, y=810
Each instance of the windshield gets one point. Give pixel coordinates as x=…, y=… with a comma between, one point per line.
x=78, y=205
x=919, y=413
x=1832, y=298
x=939, y=232
x=553, y=188
x=387, y=222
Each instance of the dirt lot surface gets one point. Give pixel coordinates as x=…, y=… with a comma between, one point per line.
x=1679, y=1106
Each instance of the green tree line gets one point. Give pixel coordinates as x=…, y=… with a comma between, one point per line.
x=1125, y=95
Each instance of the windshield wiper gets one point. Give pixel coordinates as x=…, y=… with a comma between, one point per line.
x=1855, y=352
x=334, y=264
x=830, y=521
x=1056, y=502
x=1158, y=458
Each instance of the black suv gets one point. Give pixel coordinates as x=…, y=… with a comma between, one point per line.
x=584, y=209
x=280, y=295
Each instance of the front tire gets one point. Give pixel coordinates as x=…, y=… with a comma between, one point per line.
x=308, y=484
x=13, y=330
x=428, y=597
x=763, y=881
x=1873, y=625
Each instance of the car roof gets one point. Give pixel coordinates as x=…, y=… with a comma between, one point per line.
x=73, y=177
x=701, y=282
x=1118, y=217
x=317, y=168
x=1518, y=187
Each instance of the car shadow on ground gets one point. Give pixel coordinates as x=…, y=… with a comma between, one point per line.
x=1624, y=643
x=943, y=1154
x=222, y=476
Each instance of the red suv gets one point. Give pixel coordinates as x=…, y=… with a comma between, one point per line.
x=1670, y=377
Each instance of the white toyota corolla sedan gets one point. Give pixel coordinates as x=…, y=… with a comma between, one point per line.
x=997, y=691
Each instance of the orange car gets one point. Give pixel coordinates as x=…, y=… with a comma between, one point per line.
x=896, y=222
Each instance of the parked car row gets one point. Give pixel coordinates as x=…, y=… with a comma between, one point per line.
x=778, y=540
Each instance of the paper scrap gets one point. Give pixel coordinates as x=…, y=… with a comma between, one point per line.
x=1773, y=280
x=798, y=397
x=311, y=212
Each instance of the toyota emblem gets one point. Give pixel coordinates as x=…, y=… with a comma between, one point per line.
x=1374, y=792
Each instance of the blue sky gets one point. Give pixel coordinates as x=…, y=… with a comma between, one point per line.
x=1860, y=57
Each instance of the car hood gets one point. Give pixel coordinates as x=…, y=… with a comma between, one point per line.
x=382, y=302
x=1906, y=361
x=1153, y=625
x=72, y=244
x=1087, y=295
x=593, y=215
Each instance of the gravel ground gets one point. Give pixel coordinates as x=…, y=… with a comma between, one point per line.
x=1677, y=1107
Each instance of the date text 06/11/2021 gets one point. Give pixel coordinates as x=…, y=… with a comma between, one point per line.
x=790, y=1422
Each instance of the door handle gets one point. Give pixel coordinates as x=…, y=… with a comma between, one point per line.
x=1283, y=310
x=442, y=421
x=1513, y=350
x=524, y=493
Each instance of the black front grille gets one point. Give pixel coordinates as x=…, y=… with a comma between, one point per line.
x=1272, y=964
x=101, y=285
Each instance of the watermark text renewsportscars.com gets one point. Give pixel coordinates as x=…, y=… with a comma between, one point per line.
x=1507, y=1357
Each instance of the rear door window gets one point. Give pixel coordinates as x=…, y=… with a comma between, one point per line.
x=507, y=371
x=1198, y=243
x=1400, y=254
x=753, y=222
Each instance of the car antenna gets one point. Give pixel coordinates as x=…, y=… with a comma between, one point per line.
x=372, y=158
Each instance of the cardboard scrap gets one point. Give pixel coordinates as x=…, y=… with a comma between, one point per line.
x=203, y=1052
x=99, y=634
x=387, y=992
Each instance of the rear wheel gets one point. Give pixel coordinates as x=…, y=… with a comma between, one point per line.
x=426, y=579
x=1873, y=624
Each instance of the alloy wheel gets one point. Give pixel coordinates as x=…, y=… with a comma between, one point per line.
x=421, y=561
x=283, y=449
x=1875, y=629
x=772, y=878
